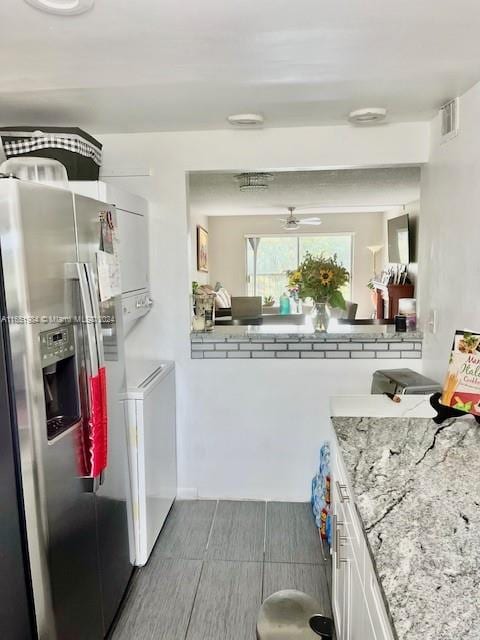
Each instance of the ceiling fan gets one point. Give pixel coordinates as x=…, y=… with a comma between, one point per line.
x=292, y=222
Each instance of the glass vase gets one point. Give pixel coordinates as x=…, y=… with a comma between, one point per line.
x=320, y=316
x=204, y=312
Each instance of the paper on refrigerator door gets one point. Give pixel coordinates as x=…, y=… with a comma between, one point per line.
x=108, y=275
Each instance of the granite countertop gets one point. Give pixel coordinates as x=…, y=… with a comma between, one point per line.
x=336, y=332
x=417, y=491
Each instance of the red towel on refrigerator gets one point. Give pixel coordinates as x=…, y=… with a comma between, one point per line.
x=98, y=423
x=83, y=433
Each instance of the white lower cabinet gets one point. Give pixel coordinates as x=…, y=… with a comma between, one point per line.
x=358, y=608
x=379, y=623
x=358, y=615
x=340, y=580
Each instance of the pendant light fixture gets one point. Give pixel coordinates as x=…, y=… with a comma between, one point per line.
x=253, y=181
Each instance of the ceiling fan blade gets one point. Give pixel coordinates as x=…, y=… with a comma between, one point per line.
x=306, y=206
x=312, y=221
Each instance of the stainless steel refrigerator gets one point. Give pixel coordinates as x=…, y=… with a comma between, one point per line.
x=77, y=527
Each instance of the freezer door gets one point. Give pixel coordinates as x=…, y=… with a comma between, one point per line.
x=38, y=243
x=17, y=618
x=113, y=496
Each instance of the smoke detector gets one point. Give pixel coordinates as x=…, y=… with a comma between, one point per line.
x=253, y=181
x=246, y=120
x=368, y=115
x=62, y=7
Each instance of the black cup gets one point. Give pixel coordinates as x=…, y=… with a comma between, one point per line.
x=400, y=324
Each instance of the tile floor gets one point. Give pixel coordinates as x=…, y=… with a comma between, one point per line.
x=213, y=565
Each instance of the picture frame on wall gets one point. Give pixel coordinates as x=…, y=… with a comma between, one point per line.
x=202, y=249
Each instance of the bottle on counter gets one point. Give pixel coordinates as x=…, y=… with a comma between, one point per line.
x=284, y=304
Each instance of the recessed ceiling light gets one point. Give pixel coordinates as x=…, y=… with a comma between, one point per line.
x=367, y=115
x=246, y=120
x=62, y=7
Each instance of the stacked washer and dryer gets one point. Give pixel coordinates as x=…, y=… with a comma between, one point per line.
x=149, y=404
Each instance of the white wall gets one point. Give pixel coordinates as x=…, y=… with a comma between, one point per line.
x=261, y=423
x=227, y=248
x=449, y=278
x=244, y=429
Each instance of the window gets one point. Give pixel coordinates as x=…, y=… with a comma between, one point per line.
x=270, y=257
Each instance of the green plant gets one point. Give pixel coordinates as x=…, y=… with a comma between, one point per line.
x=195, y=286
x=321, y=279
x=268, y=300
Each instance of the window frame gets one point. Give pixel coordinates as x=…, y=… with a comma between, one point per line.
x=351, y=234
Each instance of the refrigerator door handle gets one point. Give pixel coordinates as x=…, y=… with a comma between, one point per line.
x=90, y=319
x=89, y=484
x=76, y=271
x=94, y=296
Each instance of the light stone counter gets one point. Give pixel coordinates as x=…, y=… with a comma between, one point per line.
x=417, y=492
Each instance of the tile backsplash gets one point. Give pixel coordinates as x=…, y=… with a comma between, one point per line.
x=281, y=347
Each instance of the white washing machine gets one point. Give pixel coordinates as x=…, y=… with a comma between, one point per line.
x=150, y=410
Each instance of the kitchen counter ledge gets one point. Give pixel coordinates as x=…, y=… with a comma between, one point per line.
x=417, y=492
x=301, y=341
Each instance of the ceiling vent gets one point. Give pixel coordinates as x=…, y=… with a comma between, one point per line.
x=450, y=121
x=253, y=181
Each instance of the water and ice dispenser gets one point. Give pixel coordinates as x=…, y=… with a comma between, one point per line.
x=60, y=382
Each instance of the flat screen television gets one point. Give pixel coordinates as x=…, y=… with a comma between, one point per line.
x=399, y=240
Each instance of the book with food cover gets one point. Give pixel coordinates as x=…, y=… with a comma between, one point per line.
x=462, y=385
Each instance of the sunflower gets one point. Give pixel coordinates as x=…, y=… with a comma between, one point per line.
x=325, y=276
x=320, y=278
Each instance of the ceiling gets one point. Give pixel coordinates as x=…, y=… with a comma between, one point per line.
x=338, y=191
x=142, y=65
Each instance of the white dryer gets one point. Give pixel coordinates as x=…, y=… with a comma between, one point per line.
x=150, y=410
x=132, y=223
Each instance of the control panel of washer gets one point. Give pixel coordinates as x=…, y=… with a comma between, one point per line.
x=137, y=304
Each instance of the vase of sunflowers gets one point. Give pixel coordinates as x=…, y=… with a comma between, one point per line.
x=321, y=279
